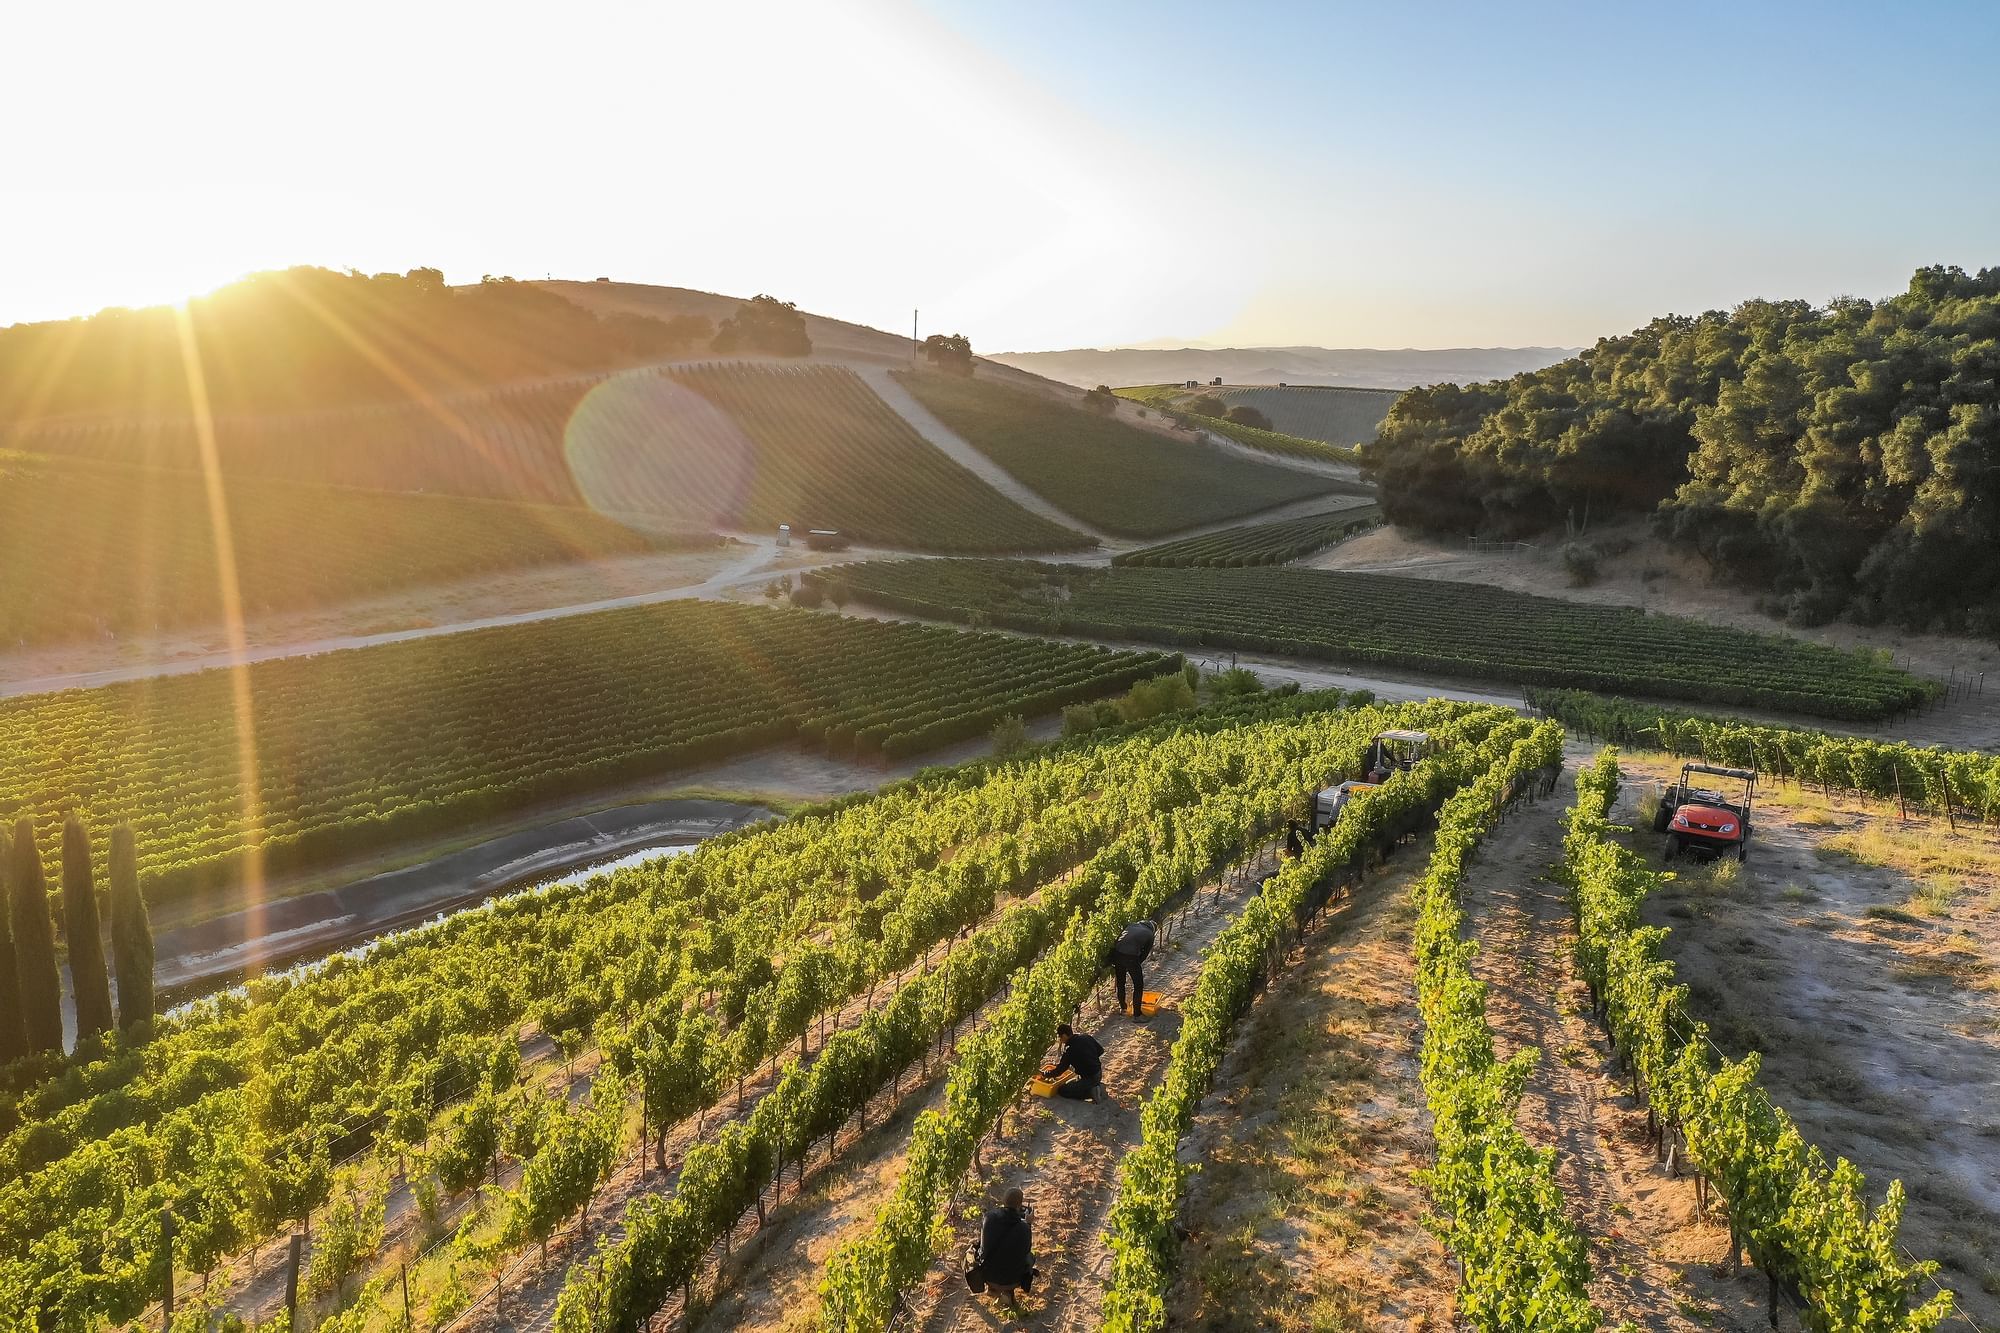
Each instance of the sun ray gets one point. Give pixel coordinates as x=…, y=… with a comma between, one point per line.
x=230, y=593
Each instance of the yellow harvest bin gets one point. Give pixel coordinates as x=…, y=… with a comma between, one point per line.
x=1044, y=1086
x=1149, y=1003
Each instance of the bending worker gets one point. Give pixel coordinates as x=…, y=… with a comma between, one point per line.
x=1083, y=1056
x=1005, y=1259
x=1128, y=958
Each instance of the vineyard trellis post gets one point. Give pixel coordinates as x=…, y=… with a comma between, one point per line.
x=167, y=1246
x=292, y=1279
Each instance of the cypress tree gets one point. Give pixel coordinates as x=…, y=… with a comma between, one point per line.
x=13, y=1034
x=84, y=934
x=131, y=932
x=35, y=944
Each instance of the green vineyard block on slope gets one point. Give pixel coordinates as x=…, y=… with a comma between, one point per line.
x=1111, y=474
x=1451, y=629
x=403, y=740
x=95, y=548
x=1261, y=543
x=730, y=445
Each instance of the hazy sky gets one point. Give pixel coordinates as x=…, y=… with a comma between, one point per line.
x=1033, y=174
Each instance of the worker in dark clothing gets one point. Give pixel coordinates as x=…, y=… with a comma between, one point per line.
x=1005, y=1259
x=1083, y=1056
x=1295, y=843
x=1128, y=958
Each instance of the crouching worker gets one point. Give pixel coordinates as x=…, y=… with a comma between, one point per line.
x=1005, y=1258
x=1082, y=1056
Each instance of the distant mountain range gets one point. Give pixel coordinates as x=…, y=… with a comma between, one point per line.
x=1362, y=367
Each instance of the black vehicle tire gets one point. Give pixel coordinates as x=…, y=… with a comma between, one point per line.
x=1673, y=849
x=1661, y=816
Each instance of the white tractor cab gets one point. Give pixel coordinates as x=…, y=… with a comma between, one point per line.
x=1705, y=823
x=1389, y=753
x=1393, y=752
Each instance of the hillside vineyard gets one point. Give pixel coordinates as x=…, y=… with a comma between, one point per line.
x=423, y=737
x=1261, y=543
x=237, y=1106
x=1456, y=629
x=101, y=548
x=1110, y=474
x=731, y=445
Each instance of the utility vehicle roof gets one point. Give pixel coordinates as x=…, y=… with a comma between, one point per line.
x=1743, y=773
x=1418, y=736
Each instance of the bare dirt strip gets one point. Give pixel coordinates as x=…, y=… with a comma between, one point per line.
x=1305, y=1213
x=1652, y=1254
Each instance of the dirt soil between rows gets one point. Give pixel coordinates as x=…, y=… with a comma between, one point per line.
x=1861, y=956
x=1305, y=1213
x=1652, y=1253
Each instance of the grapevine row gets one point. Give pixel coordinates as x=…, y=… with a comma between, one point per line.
x=1930, y=775
x=236, y=1108
x=866, y=1278
x=1807, y=1226
x=665, y=1241
x=1522, y=1264
x=1144, y=1243
x=1455, y=629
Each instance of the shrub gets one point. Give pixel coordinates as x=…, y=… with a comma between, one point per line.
x=1580, y=562
x=1236, y=682
x=1010, y=736
x=1079, y=720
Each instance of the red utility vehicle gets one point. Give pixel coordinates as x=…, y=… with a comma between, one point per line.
x=1703, y=822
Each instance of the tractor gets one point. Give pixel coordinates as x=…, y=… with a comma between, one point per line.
x=1328, y=804
x=1393, y=752
x=1703, y=822
x=1389, y=753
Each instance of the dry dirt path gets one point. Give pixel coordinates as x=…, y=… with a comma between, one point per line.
x=1306, y=1214
x=955, y=447
x=1651, y=1254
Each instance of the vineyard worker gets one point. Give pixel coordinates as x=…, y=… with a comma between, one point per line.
x=1128, y=958
x=1083, y=1056
x=1005, y=1259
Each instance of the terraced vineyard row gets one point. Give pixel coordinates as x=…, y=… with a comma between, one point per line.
x=1111, y=474
x=1261, y=543
x=405, y=739
x=1454, y=629
x=1808, y=1226
x=690, y=973
x=94, y=549
x=730, y=445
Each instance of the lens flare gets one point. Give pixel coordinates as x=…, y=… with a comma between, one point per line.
x=643, y=447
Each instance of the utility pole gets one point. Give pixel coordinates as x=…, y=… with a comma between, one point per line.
x=915, y=346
